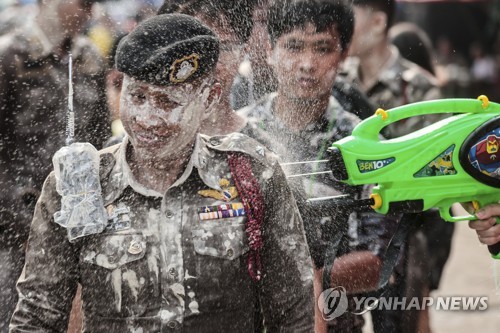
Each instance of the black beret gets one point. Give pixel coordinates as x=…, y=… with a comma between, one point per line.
x=168, y=49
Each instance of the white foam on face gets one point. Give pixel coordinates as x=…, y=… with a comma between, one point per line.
x=157, y=119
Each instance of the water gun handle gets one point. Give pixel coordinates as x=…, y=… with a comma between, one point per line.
x=495, y=249
x=371, y=127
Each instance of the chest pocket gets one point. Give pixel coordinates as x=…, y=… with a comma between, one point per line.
x=113, y=251
x=223, y=238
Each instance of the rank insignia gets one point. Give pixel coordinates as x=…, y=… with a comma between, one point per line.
x=118, y=217
x=181, y=69
x=227, y=193
x=221, y=211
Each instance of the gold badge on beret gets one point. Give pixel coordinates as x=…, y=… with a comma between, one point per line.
x=181, y=69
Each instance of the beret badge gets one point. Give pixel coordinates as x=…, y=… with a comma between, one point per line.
x=181, y=69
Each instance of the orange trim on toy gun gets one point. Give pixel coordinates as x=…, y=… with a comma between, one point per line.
x=454, y=160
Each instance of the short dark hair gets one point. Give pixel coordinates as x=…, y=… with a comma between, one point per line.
x=286, y=15
x=386, y=6
x=237, y=12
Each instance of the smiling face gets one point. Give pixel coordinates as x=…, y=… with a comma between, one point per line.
x=162, y=121
x=306, y=62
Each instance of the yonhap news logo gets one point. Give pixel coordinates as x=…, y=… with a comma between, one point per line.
x=333, y=303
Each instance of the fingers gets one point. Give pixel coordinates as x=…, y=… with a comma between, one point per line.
x=488, y=211
x=480, y=225
x=487, y=231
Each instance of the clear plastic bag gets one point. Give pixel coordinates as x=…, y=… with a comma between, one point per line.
x=77, y=181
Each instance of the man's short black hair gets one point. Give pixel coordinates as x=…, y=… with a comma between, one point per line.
x=386, y=6
x=238, y=13
x=286, y=15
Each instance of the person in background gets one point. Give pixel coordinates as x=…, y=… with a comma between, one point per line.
x=414, y=45
x=256, y=77
x=377, y=68
x=232, y=22
x=299, y=121
x=33, y=108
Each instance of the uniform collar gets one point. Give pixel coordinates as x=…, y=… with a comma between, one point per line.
x=388, y=72
x=121, y=175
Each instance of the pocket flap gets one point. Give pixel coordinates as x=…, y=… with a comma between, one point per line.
x=115, y=250
x=222, y=239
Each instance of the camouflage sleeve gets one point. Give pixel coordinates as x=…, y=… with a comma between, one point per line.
x=286, y=291
x=48, y=283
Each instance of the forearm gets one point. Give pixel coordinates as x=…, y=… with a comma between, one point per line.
x=357, y=272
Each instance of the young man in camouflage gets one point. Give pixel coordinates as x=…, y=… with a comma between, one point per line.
x=376, y=67
x=389, y=81
x=200, y=227
x=33, y=104
x=299, y=122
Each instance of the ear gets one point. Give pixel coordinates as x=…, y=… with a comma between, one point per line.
x=345, y=53
x=379, y=22
x=213, y=99
x=271, y=61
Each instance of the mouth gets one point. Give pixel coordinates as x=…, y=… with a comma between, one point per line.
x=305, y=82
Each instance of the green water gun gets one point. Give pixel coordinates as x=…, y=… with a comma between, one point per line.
x=455, y=160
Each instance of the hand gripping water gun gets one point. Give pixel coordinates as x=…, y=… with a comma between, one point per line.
x=455, y=160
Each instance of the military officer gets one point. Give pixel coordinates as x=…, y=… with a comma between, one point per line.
x=199, y=227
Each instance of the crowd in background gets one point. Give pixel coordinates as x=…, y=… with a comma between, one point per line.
x=462, y=36
x=454, y=41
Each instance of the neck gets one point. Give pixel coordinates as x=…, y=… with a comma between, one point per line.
x=373, y=63
x=298, y=113
x=159, y=173
x=224, y=121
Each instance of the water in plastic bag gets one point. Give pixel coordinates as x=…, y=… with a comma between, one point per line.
x=77, y=181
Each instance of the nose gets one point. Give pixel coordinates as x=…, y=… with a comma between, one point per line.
x=306, y=63
x=145, y=121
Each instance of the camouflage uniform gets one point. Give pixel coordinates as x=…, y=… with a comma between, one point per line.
x=33, y=104
x=366, y=231
x=400, y=82
x=161, y=266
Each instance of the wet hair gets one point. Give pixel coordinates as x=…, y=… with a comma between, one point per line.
x=238, y=13
x=413, y=44
x=386, y=6
x=286, y=15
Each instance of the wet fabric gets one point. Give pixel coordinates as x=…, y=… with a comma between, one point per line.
x=400, y=82
x=159, y=267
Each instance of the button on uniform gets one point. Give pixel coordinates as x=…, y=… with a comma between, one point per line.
x=135, y=248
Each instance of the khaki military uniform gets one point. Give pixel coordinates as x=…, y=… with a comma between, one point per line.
x=165, y=263
x=33, y=104
x=400, y=82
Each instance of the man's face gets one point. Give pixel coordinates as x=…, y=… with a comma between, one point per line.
x=230, y=54
x=306, y=62
x=74, y=15
x=162, y=120
x=367, y=32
